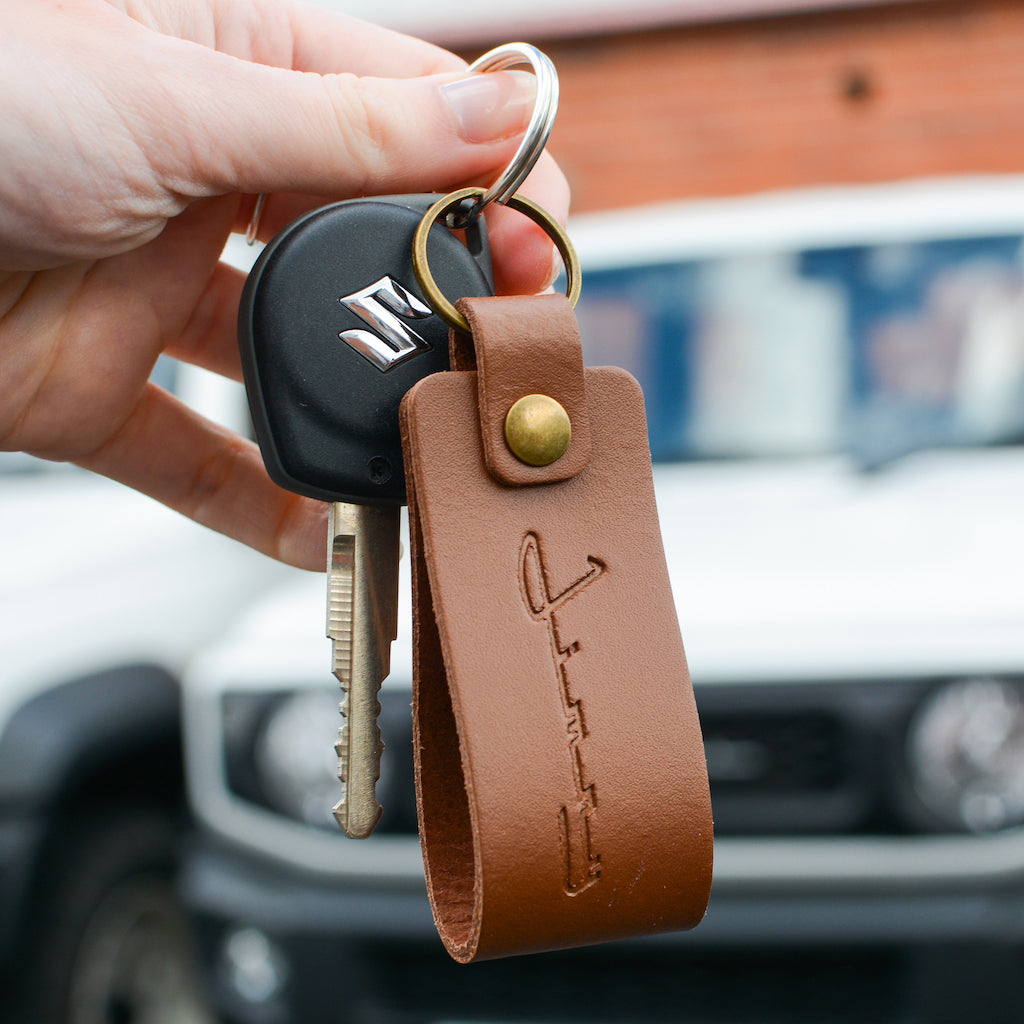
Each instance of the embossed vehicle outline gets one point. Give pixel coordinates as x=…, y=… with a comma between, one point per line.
x=583, y=864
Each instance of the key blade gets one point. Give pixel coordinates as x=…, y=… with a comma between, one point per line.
x=362, y=622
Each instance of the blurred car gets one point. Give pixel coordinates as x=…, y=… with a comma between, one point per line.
x=835, y=390
x=104, y=596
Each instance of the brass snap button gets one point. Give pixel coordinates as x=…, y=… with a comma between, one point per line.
x=537, y=430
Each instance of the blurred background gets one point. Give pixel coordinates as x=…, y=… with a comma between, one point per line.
x=801, y=225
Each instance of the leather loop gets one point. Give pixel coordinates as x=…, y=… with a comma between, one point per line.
x=461, y=354
x=561, y=786
x=526, y=348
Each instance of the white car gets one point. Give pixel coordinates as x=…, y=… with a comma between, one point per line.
x=104, y=597
x=835, y=390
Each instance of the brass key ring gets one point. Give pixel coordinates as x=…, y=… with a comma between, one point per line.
x=431, y=292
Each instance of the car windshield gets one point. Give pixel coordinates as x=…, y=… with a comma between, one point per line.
x=873, y=350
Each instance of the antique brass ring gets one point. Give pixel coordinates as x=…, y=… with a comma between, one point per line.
x=432, y=294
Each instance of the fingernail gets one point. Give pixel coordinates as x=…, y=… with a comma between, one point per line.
x=492, y=105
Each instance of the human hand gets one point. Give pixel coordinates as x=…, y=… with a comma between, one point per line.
x=133, y=147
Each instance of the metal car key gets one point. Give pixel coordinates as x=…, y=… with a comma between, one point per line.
x=332, y=334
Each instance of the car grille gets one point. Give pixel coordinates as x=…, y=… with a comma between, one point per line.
x=807, y=758
x=783, y=759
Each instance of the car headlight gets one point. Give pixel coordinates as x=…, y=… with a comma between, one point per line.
x=279, y=752
x=965, y=753
x=294, y=756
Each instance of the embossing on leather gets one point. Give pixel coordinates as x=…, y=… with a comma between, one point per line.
x=583, y=864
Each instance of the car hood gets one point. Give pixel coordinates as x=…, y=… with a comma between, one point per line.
x=817, y=568
x=96, y=576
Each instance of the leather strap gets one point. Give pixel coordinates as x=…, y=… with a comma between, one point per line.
x=525, y=348
x=562, y=790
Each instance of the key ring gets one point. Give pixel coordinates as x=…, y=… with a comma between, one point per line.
x=537, y=132
x=431, y=292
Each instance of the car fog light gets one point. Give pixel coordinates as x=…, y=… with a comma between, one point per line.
x=965, y=749
x=295, y=758
x=253, y=965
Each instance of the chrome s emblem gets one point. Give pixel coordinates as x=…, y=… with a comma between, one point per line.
x=381, y=305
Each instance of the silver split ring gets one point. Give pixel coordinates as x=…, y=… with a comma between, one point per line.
x=537, y=131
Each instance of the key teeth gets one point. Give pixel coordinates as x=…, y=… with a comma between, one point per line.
x=362, y=612
x=341, y=747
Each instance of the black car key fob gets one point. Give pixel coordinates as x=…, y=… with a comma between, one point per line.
x=333, y=331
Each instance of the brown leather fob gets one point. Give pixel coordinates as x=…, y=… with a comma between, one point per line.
x=562, y=789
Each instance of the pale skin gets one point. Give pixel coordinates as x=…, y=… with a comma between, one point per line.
x=136, y=134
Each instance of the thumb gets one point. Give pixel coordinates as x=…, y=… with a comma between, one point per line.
x=266, y=129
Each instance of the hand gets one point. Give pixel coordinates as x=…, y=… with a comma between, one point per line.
x=133, y=146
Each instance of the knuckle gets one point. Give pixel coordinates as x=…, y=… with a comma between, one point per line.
x=369, y=130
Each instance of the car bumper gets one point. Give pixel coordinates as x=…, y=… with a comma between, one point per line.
x=20, y=840
x=319, y=950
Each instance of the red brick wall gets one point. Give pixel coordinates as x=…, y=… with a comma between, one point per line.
x=853, y=96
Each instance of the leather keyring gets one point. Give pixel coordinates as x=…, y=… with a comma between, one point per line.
x=561, y=784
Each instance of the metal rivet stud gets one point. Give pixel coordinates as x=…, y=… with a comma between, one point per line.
x=537, y=430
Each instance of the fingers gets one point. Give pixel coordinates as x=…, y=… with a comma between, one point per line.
x=525, y=261
x=325, y=41
x=210, y=338
x=303, y=138
x=212, y=476
x=267, y=129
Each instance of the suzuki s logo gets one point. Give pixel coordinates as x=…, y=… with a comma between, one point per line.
x=381, y=305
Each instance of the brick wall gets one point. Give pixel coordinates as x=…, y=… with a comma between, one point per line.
x=853, y=96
